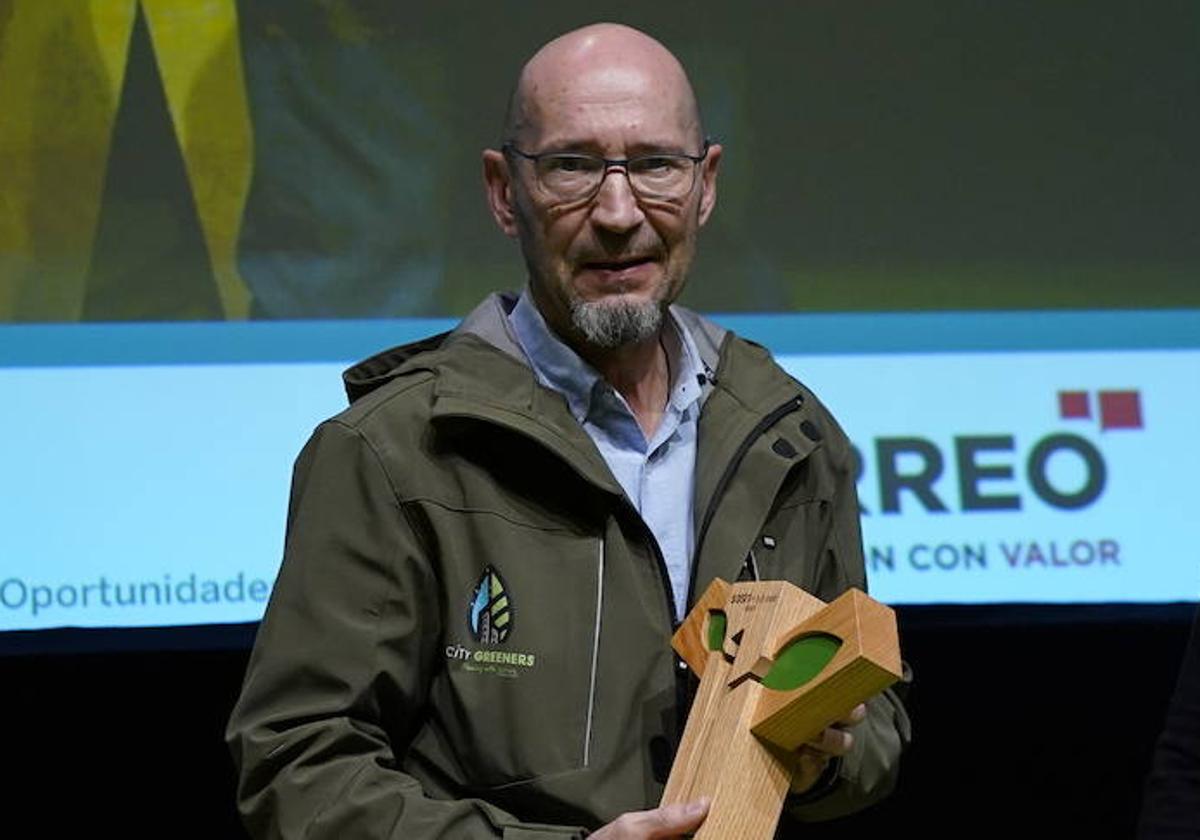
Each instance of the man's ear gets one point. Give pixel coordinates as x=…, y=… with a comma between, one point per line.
x=708, y=182
x=498, y=187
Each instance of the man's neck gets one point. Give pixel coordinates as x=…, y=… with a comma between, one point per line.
x=641, y=373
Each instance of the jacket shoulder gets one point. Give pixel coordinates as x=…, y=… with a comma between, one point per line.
x=750, y=362
x=401, y=399
x=408, y=394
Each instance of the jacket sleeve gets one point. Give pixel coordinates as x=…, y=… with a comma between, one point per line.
x=339, y=672
x=869, y=772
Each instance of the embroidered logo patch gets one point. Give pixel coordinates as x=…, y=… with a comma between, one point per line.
x=491, y=615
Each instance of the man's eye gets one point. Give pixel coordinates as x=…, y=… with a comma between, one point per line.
x=653, y=164
x=569, y=164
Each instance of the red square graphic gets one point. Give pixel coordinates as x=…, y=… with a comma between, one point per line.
x=1120, y=410
x=1073, y=405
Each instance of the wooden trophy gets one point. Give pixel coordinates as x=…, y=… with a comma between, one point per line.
x=776, y=666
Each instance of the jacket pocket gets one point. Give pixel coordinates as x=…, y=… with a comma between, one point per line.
x=520, y=617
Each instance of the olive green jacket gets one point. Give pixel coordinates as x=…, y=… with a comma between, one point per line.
x=385, y=699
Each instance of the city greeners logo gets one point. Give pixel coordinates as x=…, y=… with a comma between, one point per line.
x=490, y=620
x=491, y=615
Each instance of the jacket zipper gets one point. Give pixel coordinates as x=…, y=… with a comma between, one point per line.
x=727, y=476
x=587, y=735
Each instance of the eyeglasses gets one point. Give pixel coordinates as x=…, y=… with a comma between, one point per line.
x=576, y=177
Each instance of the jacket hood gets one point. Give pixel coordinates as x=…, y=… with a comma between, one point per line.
x=489, y=322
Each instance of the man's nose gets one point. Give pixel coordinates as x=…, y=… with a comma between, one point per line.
x=616, y=207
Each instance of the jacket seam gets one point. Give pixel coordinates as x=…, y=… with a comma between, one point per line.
x=398, y=390
x=378, y=611
x=508, y=409
x=553, y=437
x=555, y=529
x=370, y=445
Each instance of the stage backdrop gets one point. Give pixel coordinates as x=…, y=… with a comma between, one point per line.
x=971, y=228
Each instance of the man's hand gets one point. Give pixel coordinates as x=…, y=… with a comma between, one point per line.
x=668, y=821
x=836, y=740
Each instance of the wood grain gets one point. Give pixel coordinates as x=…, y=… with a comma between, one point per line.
x=739, y=736
x=867, y=662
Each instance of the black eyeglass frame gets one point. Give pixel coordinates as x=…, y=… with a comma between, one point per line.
x=509, y=147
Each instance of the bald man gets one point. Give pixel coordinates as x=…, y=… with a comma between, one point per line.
x=488, y=552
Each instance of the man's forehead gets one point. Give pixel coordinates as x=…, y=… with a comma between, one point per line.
x=609, y=103
x=606, y=78
x=599, y=84
x=602, y=45
x=603, y=89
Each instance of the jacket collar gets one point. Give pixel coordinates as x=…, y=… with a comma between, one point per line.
x=482, y=373
x=489, y=323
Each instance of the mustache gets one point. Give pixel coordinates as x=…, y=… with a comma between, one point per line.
x=617, y=258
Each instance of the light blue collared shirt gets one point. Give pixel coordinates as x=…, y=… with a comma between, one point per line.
x=657, y=474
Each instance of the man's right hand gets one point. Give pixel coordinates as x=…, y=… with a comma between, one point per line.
x=669, y=821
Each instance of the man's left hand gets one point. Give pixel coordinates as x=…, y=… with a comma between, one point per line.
x=814, y=756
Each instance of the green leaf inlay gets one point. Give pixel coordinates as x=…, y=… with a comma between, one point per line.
x=716, y=630
x=801, y=660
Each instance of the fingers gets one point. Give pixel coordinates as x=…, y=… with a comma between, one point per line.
x=662, y=823
x=831, y=742
x=674, y=820
x=855, y=716
x=835, y=739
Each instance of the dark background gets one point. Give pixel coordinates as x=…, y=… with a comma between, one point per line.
x=1028, y=721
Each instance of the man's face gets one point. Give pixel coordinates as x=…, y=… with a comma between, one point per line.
x=602, y=270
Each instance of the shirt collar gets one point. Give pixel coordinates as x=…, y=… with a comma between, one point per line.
x=560, y=368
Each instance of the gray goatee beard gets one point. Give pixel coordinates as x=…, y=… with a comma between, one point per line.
x=612, y=324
